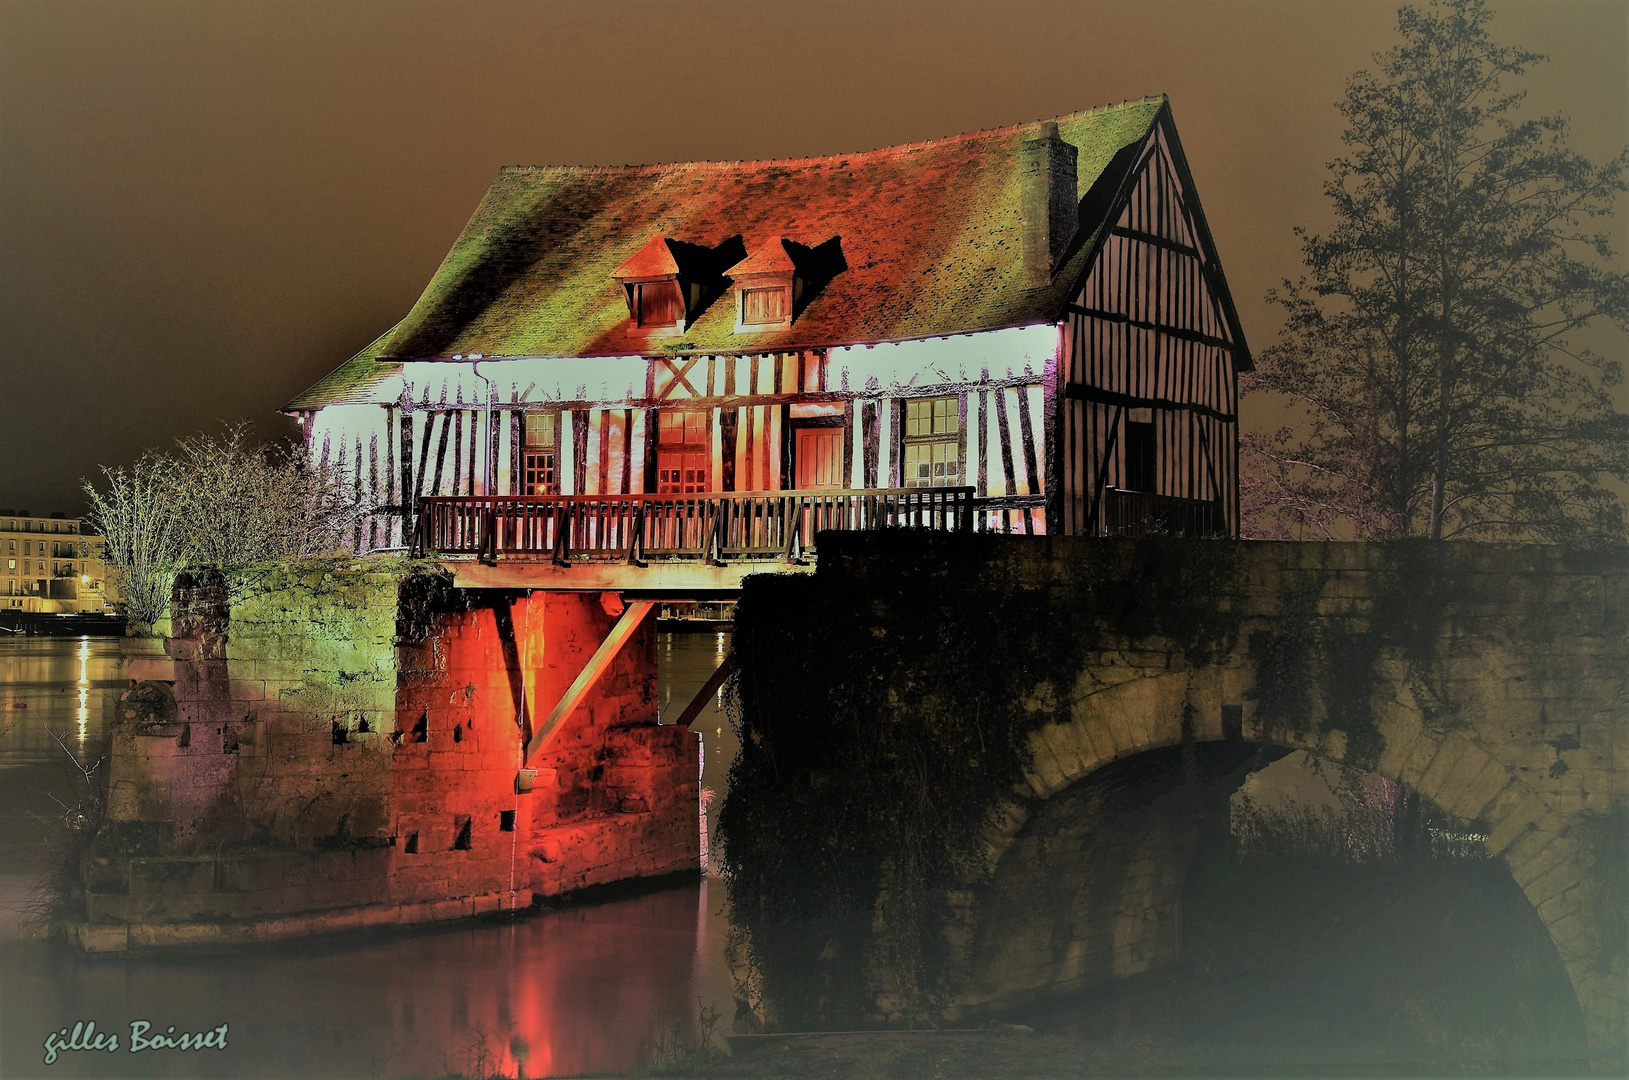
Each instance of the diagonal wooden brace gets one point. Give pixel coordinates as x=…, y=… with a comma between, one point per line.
x=705, y=694
x=632, y=616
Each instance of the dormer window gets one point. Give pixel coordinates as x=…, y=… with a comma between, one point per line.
x=668, y=283
x=658, y=304
x=778, y=280
x=766, y=305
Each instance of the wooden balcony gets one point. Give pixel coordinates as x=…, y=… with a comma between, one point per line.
x=1140, y=513
x=689, y=543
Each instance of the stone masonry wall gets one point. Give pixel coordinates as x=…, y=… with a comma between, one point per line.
x=1489, y=679
x=338, y=749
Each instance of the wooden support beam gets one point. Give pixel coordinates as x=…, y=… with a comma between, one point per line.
x=632, y=616
x=1103, y=472
x=1083, y=392
x=1157, y=241
x=705, y=694
x=1158, y=328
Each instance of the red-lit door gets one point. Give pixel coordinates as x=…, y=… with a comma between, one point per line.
x=819, y=467
x=819, y=458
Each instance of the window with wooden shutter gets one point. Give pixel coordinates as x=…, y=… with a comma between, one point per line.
x=932, y=443
x=765, y=306
x=658, y=303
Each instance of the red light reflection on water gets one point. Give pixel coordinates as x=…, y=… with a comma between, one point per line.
x=576, y=990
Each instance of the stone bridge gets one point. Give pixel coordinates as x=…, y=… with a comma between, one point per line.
x=1491, y=680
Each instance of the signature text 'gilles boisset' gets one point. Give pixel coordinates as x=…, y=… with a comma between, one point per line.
x=84, y=1036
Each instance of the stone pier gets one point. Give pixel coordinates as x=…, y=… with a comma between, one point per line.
x=331, y=746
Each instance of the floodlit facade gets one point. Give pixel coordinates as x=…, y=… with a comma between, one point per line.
x=1032, y=316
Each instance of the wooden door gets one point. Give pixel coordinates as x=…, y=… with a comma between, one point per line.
x=819, y=459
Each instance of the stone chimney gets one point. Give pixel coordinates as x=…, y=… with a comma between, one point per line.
x=1051, y=204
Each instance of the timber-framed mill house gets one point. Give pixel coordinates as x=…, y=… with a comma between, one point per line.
x=1024, y=329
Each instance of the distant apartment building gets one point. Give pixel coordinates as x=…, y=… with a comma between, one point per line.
x=50, y=564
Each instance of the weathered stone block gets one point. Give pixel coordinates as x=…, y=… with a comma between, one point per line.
x=171, y=877
x=94, y=938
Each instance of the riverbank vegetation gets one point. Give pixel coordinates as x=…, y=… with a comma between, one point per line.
x=222, y=501
x=78, y=798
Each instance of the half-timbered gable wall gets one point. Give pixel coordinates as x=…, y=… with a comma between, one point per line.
x=1150, y=363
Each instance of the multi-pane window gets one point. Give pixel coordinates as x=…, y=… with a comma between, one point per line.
x=764, y=306
x=539, y=458
x=682, y=452
x=932, y=443
x=657, y=303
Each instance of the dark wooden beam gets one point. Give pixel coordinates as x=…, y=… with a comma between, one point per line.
x=1158, y=328
x=1082, y=392
x=705, y=694
x=1158, y=241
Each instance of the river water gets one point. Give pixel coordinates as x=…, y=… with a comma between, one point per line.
x=1313, y=957
x=576, y=989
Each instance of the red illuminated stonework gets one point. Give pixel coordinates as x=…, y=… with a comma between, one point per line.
x=338, y=749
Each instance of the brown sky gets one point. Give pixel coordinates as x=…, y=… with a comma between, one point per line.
x=205, y=206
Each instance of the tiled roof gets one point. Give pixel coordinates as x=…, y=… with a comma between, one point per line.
x=930, y=234
x=769, y=258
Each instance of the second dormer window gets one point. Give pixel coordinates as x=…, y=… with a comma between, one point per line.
x=658, y=303
x=765, y=306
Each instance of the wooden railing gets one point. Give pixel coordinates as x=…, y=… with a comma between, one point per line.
x=716, y=527
x=1140, y=513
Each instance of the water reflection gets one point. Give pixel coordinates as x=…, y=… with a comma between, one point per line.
x=83, y=688
x=50, y=685
x=576, y=989
x=685, y=661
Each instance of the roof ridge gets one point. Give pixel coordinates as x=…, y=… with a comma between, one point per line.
x=750, y=163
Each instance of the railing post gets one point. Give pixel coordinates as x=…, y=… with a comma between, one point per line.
x=489, y=537
x=714, y=550
x=792, y=508
x=636, y=535
x=562, y=532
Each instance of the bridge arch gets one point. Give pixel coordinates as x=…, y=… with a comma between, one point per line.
x=1481, y=677
x=1113, y=722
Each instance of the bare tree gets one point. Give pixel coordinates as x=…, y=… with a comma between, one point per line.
x=218, y=500
x=240, y=503
x=136, y=517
